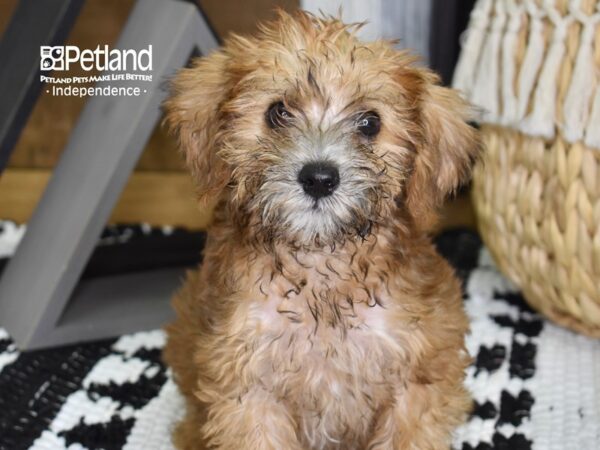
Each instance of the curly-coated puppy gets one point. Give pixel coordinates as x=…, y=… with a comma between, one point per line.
x=322, y=316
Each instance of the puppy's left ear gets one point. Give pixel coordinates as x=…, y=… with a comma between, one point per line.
x=446, y=152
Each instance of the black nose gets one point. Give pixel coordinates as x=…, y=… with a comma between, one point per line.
x=319, y=179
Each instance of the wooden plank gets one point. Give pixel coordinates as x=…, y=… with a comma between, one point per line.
x=458, y=212
x=158, y=198
x=7, y=8
x=162, y=198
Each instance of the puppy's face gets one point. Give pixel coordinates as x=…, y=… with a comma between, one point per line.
x=312, y=137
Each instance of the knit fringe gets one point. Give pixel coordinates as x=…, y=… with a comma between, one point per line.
x=509, y=50
x=529, y=95
x=486, y=88
x=583, y=81
x=534, y=54
x=541, y=121
x=464, y=73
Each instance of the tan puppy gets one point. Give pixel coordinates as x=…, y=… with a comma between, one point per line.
x=322, y=316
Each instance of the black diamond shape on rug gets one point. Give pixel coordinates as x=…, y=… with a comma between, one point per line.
x=97, y=436
x=137, y=394
x=516, y=442
x=530, y=328
x=489, y=359
x=522, y=360
x=485, y=410
x=514, y=410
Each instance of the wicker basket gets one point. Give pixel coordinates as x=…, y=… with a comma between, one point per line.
x=534, y=69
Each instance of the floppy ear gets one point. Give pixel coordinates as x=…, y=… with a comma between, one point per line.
x=192, y=113
x=445, y=154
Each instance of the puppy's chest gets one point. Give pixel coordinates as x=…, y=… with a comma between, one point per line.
x=325, y=299
x=326, y=317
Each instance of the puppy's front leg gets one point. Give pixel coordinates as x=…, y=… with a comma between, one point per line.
x=254, y=421
x=421, y=417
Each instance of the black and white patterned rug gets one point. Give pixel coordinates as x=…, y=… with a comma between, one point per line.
x=536, y=386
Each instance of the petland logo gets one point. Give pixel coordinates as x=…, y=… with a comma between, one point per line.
x=60, y=58
x=119, y=71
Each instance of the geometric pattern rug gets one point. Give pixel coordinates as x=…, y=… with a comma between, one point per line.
x=535, y=385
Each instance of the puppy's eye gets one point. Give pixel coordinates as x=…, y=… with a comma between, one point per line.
x=278, y=116
x=368, y=124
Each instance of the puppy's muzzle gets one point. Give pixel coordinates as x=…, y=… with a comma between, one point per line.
x=319, y=179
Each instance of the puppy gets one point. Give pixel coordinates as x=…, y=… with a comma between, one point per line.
x=322, y=316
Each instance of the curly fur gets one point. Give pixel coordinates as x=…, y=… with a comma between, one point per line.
x=330, y=324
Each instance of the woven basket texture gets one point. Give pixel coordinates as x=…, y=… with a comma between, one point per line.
x=537, y=198
x=538, y=211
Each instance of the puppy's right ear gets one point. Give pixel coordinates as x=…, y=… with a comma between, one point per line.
x=192, y=113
